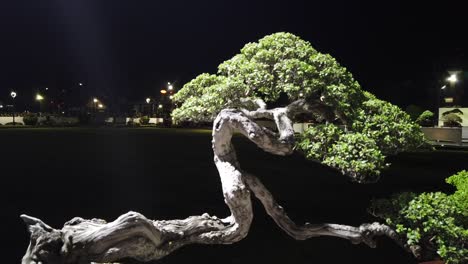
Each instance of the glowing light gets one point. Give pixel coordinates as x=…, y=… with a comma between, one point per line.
x=452, y=78
x=95, y=100
x=170, y=97
x=170, y=87
x=100, y=105
x=448, y=99
x=160, y=106
x=1, y=106
x=39, y=97
x=13, y=94
x=301, y=95
x=163, y=91
x=443, y=87
x=47, y=88
x=148, y=100
x=80, y=84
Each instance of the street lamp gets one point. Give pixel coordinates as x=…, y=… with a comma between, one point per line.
x=39, y=98
x=148, y=101
x=95, y=100
x=13, y=95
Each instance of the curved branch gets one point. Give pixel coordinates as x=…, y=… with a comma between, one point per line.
x=362, y=234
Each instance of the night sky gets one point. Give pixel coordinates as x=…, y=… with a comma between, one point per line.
x=130, y=49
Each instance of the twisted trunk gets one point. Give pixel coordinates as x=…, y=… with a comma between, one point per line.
x=134, y=236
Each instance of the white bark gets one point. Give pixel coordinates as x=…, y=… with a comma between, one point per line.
x=134, y=236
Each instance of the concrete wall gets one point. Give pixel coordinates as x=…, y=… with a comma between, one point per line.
x=464, y=116
x=8, y=119
x=451, y=135
x=58, y=120
x=153, y=120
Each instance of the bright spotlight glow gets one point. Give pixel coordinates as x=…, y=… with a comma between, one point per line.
x=163, y=91
x=148, y=100
x=100, y=105
x=170, y=87
x=160, y=106
x=170, y=97
x=39, y=97
x=95, y=100
x=13, y=94
x=452, y=78
x=80, y=84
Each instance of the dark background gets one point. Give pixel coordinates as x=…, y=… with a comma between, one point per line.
x=399, y=50
x=56, y=174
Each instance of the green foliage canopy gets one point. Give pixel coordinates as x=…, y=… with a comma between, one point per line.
x=437, y=222
x=364, y=130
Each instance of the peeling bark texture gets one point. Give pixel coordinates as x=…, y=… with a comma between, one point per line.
x=133, y=236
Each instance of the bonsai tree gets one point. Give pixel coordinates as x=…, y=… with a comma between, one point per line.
x=433, y=224
x=426, y=118
x=451, y=118
x=279, y=78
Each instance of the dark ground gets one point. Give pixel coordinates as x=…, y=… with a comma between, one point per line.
x=56, y=174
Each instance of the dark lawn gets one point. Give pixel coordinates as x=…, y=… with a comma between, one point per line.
x=56, y=174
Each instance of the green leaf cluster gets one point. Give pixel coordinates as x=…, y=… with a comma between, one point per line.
x=354, y=154
x=277, y=64
x=437, y=222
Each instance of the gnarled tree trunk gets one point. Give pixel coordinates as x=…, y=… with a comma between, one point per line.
x=134, y=236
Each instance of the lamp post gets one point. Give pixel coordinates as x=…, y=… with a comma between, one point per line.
x=452, y=80
x=95, y=100
x=13, y=95
x=39, y=98
x=148, y=101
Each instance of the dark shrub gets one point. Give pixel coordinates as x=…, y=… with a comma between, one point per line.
x=144, y=120
x=30, y=119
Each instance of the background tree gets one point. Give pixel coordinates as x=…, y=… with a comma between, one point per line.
x=279, y=78
x=426, y=119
